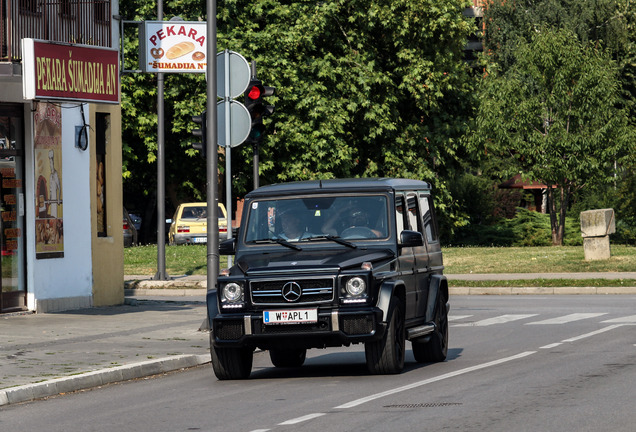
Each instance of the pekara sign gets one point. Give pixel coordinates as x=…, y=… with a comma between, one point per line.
x=56, y=71
x=172, y=46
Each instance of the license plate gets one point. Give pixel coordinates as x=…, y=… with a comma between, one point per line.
x=295, y=316
x=200, y=240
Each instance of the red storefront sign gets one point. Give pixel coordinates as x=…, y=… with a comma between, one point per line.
x=69, y=72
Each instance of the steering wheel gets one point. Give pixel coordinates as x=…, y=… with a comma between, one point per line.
x=354, y=233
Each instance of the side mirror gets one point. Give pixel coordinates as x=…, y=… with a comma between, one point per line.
x=168, y=221
x=227, y=247
x=411, y=238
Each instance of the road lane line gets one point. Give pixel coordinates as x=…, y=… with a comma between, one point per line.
x=370, y=398
x=568, y=318
x=603, y=330
x=301, y=419
x=551, y=345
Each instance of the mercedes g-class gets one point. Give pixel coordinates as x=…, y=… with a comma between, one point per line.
x=331, y=263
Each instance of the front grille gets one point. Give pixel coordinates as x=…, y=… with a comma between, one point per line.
x=270, y=292
x=229, y=330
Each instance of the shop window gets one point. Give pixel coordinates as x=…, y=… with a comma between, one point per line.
x=102, y=131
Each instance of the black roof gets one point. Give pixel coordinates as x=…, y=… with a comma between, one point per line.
x=340, y=185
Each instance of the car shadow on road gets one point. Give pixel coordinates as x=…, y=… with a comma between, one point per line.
x=334, y=364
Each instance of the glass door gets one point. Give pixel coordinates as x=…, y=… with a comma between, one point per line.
x=12, y=263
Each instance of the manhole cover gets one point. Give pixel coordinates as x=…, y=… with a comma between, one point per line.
x=424, y=405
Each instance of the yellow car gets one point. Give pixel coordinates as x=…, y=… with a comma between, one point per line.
x=190, y=221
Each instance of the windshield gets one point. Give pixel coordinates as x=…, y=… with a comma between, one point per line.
x=318, y=218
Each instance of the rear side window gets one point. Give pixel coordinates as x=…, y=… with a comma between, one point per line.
x=414, y=220
x=428, y=223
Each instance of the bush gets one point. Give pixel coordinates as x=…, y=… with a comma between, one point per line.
x=527, y=228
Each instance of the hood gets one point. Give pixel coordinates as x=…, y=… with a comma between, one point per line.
x=315, y=260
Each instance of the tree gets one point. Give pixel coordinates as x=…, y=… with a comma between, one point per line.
x=555, y=116
x=364, y=88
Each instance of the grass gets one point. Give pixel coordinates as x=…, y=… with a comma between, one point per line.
x=544, y=259
x=191, y=260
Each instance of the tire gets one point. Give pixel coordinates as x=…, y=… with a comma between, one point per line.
x=231, y=363
x=288, y=358
x=436, y=348
x=386, y=356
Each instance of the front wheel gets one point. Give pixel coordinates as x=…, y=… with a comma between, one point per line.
x=386, y=356
x=231, y=363
x=436, y=349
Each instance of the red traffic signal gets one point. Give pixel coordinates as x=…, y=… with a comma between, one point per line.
x=257, y=108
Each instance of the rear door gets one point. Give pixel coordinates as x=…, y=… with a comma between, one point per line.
x=406, y=259
x=421, y=268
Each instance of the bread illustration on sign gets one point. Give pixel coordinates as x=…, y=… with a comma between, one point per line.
x=180, y=49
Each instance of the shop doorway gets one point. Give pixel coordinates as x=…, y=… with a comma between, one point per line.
x=12, y=209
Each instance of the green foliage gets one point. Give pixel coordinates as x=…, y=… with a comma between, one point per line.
x=363, y=88
x=527, y=228
x=375, y=88
x=554, y=117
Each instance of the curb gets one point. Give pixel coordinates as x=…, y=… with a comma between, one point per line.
x=540, y=290
x=97, y=378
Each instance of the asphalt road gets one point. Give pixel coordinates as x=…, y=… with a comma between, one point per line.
x=516, y=363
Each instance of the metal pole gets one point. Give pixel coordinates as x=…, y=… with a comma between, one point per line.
x=212, y=151
x=255, y=146
x=161, y=172
x=228, y=151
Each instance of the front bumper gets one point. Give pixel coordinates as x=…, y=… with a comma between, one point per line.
x=335, y=327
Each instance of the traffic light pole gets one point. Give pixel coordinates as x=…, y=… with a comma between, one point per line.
x=161, y=173
x=212, y=152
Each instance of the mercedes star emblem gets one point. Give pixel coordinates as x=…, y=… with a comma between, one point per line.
x=291, y=291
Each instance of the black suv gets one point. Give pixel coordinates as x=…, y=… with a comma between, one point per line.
x=332, y=263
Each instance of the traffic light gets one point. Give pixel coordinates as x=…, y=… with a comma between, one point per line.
x=200, y=133
x=257, y=108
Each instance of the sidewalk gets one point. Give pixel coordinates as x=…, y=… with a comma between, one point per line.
x=157, y=330
x=47, y=354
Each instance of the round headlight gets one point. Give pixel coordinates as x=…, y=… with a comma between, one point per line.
x=356, y=286
x=232, y=292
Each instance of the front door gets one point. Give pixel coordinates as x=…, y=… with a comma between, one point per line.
x=12, y=262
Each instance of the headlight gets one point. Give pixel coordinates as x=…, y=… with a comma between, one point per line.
x=356, y=286
x=232, y=292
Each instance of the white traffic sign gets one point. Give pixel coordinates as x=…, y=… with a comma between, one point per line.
x=232, y=74
x=239, y=122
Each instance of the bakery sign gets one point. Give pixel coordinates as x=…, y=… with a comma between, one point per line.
x=173, y=46
x=69, y=72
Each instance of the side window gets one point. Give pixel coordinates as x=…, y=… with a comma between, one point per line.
x=427, y=218
x=414, y=222
x=400, y=222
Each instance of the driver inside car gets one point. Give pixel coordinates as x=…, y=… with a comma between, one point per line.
x=354, y=218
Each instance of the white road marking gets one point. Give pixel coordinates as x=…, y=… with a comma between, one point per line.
x=627, y=319
x=301, y=419
x=497, y=320
x=603, y=330
x=458, y=317
x=370, y=398
x=550, y=345
x=568, y=318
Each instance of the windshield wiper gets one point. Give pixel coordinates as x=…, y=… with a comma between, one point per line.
x=280, y=241
x=332, y=238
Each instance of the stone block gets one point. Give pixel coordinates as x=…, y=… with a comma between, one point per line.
x=596, y=248
x=598, y=223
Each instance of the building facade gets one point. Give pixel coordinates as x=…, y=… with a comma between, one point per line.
x=60, y=156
